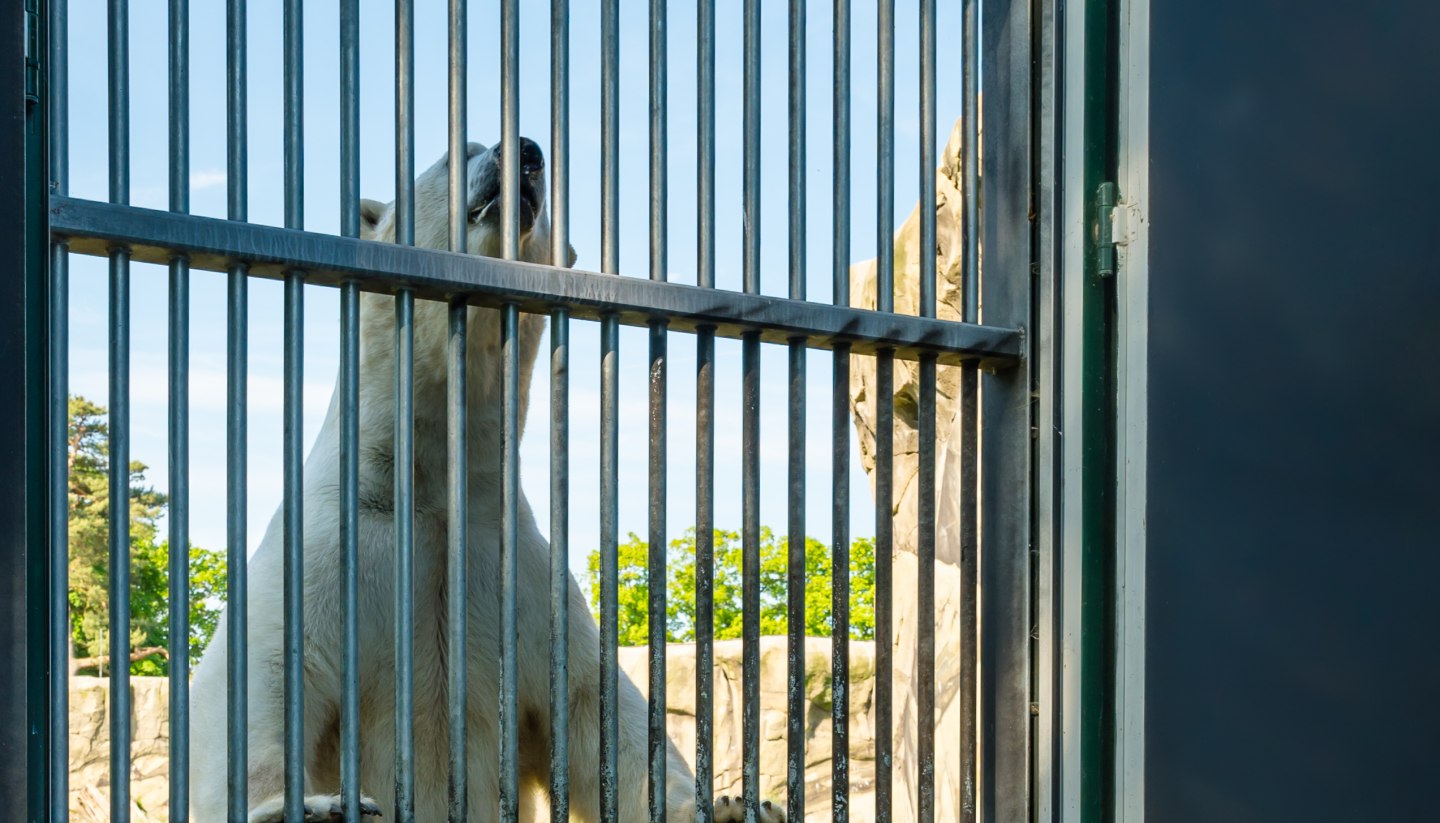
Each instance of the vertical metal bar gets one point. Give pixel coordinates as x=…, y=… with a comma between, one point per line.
x=1005, y=686
x=560, y=132
x=559, y=566
x=455, y=405
x=405, y=122
x=455, y=595
x=350, y=118
x=405, y=419
x=969, y=417
x=609, y=568
x=925, y=636
x=610, y=137
x=350, y=414
x=458, y=162
x=509, y=135
x=58, y=504
x=559, y=418
x=658, y=740
x=120, y=731
x=795, y=703
x=510, y=416
x=704, y=573
x=705, y=138
x=884, y=413
x=705, y=419
x=405, y=556
x=840, y=581
x=750, y=573
x=236, y=595
x=179, y=444
x=294, y=421
x=840, y=430
x=349, y=546
x=750, y=423
x=609, y=413
x=509, y=552
x=884, y=577
x=294, y=540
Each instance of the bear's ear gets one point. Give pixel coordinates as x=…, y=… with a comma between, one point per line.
x=370, y=211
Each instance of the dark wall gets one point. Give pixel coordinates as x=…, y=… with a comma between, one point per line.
x=1294, y=481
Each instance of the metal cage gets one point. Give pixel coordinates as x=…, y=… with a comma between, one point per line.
x=1000, y=671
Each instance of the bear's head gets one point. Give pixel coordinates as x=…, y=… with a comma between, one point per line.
x=482, y=206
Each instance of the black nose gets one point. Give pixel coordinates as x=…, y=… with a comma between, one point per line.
x=531, y=158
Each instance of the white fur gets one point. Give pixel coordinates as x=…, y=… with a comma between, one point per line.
x=323, y=593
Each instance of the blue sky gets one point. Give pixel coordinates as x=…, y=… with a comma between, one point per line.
x=88, y=175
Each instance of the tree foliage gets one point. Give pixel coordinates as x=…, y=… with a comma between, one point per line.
x=680, y=588
x=89, y=464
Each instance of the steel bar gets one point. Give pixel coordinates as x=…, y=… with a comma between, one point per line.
x=884, y=580
x=884, y=411
x=658, y=742
x=559, y=418
x=456, y=571
x=294, y=421
x=750, y=424
x=118, y=36
x=795, y=703
x=405, y=122
x=349, y=396
x=610, y=137
x=236, y=423
x=405, y=556
x=925, y=599
x=750, y=574
x=292, y=507
x=656, y=579
x=58, y=596
x=560, y=132
x=559, y=567
x=350, y=415
x=705, y=416
x=236, y=594
x=609, y=569
x=840, y=425
x=459, y=153
x=510, y=151
x=483, y=281
x=969, y=417
x=405, y=419
x=840, y=591
x=119, y=525
x=509, y=133
x=704, y=572
x=509, y=561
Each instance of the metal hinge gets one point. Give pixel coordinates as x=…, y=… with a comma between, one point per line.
x=1115, y=225
x=1105, y=199
x=32, y=56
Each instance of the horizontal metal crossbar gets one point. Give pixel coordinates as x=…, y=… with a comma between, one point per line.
x=155, y=236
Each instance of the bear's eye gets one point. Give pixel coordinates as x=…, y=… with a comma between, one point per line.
x=474, y=215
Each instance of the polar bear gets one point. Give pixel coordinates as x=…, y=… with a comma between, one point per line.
x=322, y=588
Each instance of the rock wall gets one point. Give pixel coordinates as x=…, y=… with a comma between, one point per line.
x=90, y=749
x=90, y=728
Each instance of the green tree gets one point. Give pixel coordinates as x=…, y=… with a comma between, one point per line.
x=634, y=587
x=89, y=462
